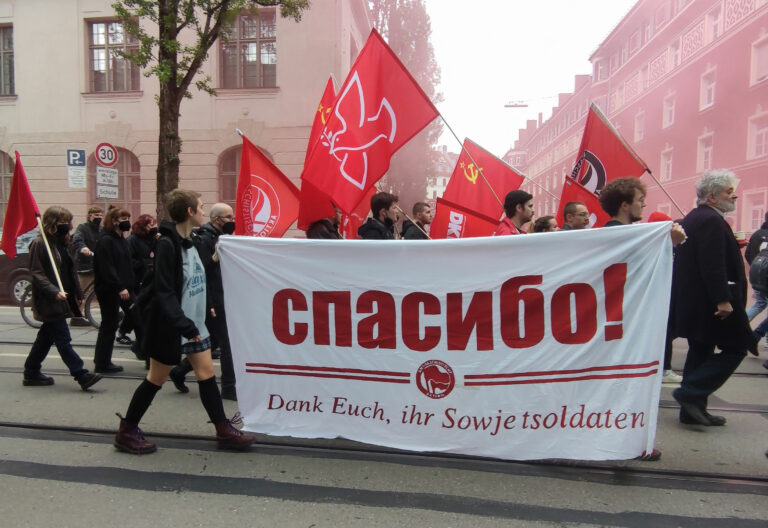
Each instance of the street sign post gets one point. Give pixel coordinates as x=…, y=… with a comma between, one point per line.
x=76, y=169
x=106, y=192
x=106, y=176
x=106, y=155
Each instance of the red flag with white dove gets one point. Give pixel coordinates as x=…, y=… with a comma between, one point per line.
x=475, y=175
x=267, y=202
x=604, y=155
x=453, y=221
x=575, y=192
x=379, y=108
x=21, y=213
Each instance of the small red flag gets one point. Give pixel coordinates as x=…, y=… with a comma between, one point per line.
x=321, y=116
x=575, y=192
x=467, y=188
x=379, y=108
x=454, y=221
x=21, y=212
x=314, y=205
x=351, y=223
x=604, y=155
x=267, y=202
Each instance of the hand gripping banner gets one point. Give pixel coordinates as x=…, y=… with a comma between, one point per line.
x=481, y=352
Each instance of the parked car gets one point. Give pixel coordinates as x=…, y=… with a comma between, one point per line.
x=14, y=273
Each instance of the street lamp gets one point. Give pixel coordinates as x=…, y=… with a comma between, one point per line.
x=516, y=104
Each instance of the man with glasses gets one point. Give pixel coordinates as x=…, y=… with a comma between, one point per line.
x=205, y=240
x=575, y=216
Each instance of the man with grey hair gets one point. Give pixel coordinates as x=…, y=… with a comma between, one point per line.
x=709, y=293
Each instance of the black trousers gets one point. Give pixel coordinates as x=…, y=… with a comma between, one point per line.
x=110, y=304
x=705, y=371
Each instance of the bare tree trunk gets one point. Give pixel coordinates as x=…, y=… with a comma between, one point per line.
x=169, y=148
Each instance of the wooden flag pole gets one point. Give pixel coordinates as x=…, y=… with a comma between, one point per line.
x=50, y=254
x=665, y=191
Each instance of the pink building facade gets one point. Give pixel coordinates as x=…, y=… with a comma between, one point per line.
x=686, y=84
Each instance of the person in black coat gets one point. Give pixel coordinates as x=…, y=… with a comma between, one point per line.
x=175, y=324
x=50, y=304
x=381, y=225
x=417, y=230
x=709, y=292
x=113, y=283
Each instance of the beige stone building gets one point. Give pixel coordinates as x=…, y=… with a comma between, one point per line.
x=63, y=93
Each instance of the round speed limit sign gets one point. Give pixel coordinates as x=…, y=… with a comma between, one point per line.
x=106, y=155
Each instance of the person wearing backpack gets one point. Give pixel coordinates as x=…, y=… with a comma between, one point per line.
x=758, y=245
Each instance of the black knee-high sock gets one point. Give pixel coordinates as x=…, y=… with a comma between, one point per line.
x=211, y=398
x=141, y=401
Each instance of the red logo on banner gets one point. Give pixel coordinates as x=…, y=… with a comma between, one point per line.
x=262, y=207
x=435, y=379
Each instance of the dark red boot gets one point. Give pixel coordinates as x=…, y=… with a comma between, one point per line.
x=228, y=437
x=130, y=438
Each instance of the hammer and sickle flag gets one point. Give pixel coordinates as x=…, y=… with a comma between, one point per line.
x=322, y=115
x=379, y=108
x=468, y=189
x=454, y=221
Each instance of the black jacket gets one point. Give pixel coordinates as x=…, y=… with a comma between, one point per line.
x=205, y=240
x=86, y=235
x=324, y=229
x=708, y=269
x=373, y=229
x=411, y=231
x=755, y=241
x=162, y=317
x=45, y=306
x=112, y=267
x=142, y=257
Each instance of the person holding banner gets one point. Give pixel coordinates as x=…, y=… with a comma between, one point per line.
x=381, y=225
x=576, y=216
x=518, y=210
x=709, y=296
x=422, y=214
x=51, y=305
x=175, y=325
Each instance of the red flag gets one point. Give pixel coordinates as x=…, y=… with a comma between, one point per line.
x=454, y=221
x=379, y=108
x=575, y=192
x=604, y=155
x=467, y=188
x=351, y=223
x=321, y=116
x=313, y=205
x=267, y=202
x=21, y=213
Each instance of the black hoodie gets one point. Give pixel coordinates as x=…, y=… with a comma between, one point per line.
x=411, y=231
x=373, y=229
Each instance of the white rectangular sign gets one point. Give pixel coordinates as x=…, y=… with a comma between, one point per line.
x=106, y=176
x=76, y=178
x=521, y=347
x=106, y=191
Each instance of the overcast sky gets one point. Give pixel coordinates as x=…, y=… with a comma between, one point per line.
x=494, y=51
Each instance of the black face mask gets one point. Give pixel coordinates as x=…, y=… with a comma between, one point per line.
x=125, y=225
x=62, y=230
x=153, y=232
x=228, y=228
x=96, y=221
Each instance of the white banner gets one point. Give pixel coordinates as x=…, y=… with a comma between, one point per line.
x=520, y=347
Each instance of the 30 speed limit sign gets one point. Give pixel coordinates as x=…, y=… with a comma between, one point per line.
x=106, y=155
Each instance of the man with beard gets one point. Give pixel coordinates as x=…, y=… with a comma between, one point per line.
x=709, y=294
x=518, y=211
x=417, y=230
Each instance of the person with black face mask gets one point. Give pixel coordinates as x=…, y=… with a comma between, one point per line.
x=114, y=284
x=205, y=240
x=50, y=304
x=81, y=249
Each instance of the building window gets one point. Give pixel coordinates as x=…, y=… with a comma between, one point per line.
x=6, y=61
x=639, y=126
x=668, y=115
x=229, y=169
x=665, y=207
x=674, y=55
x=707, y=90
x=759, y=66
x=108, y=71
x=249, y=51
x=128, y=179
x=704, y=157
x=6, y=175
x=757, y=218
x=646, y=31
x=634, y=42
x=666, y=165
x=714, y=24
x=757, y=142
x=602, y=70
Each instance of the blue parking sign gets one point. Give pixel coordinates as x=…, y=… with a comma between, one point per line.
x=75, y=158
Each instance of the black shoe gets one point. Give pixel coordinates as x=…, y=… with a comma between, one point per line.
x=37, y=380
x=108, y=369
x=228, y=393
x=79, y=321
x=765, y=364
x=216, y=353
x=695, y=413
x=715, y=421
x=178, y=381
x=87, y=380
x=124, y=340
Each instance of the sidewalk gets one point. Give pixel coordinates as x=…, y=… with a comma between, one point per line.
x=738, y=448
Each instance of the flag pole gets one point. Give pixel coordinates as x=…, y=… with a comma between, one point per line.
x=50, y=254
x=665, y=191
x=472, y=160
x=414, y=223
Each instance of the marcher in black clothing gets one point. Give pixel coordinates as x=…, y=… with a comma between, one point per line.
x=113, y=285
x=325, y=228
x=50, y=304
x=422, y=215
x=381, y=225
x=174, y=325
x=81, y=249
x=205, y=240
x=141, y=242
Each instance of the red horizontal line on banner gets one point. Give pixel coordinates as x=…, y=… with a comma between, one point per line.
x=328, y=369
x=319, y=375
x=553, y=372
x=564, y=380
